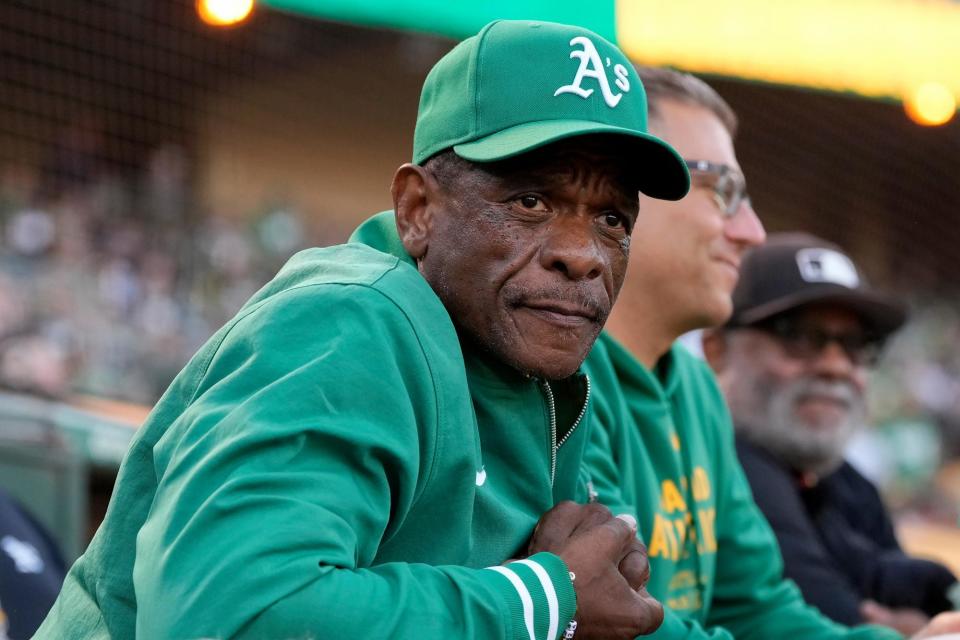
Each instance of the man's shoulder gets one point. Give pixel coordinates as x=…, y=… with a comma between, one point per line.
x=610, y=359
x=347, y=264
x=598, y=361
x=753, y=457
x=336, y=304
x=692, y=369
x=695, y=384
x=774, y=488
x=352, y=271
x=852, y=488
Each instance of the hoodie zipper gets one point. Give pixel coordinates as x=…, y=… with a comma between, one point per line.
x=552, y=411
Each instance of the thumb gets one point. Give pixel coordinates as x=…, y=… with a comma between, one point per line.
x=630, y=520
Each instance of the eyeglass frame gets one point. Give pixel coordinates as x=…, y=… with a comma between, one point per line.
x=863, y=350
x=723, y=173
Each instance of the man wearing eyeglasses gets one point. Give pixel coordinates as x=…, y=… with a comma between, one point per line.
x=662, y=447
x=792, y=362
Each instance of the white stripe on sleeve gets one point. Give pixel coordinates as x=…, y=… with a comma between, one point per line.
x=524, y=594
x=552, y=603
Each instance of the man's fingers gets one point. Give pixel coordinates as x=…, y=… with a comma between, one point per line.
x=635, y=568
x=614, y=538
x=591, y=515
x=647, y=612
x=653, y=615
x=555, y=527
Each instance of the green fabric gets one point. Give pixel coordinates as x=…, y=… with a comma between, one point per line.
x=331, y=464
x=662, y=448
x=518, y=85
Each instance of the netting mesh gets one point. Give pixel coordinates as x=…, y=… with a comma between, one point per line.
x=155, y=171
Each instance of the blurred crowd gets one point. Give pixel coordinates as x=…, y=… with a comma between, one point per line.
x=110, y=281
x=915, y=413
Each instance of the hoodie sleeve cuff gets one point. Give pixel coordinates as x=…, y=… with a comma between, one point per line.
x=539, y=594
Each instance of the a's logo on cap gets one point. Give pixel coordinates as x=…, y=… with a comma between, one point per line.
x=826, y=265
x=591, y=66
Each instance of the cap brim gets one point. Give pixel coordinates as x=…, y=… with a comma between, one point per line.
x=880, y=313
x=661, y=172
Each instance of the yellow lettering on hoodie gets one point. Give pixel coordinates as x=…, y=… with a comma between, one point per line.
x=670, y=498
x=701, y=484
x=663, y=544
x=708, y=536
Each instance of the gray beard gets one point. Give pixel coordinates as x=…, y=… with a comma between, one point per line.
x=775, y=427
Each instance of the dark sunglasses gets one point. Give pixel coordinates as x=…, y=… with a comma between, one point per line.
x=805, y=342
x=729, y=186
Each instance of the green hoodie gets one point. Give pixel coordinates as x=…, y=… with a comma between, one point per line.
x=334, y=464
x=662, y=447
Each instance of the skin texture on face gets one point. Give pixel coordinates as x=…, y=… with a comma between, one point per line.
x=527, y=254
x=685, y=256
x=804, y=411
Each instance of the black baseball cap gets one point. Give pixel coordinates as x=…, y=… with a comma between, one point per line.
x=792, y=270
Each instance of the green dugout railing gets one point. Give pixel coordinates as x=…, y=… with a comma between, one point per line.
x=48, y=450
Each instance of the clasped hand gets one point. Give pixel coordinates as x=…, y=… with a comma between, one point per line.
x=610, y=567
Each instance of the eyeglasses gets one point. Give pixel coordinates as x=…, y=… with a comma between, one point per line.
x=729, y=185
x=805, y=342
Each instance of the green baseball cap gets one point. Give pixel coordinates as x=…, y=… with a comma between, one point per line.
x=518, y=85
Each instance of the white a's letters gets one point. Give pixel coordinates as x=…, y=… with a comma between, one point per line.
x=592, y=67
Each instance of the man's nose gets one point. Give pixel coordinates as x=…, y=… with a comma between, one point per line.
x=833, y=362
x=571, y=247
x=744, y=227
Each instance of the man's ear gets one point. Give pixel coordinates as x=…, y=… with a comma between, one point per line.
x=411, y=189
x=715, y=348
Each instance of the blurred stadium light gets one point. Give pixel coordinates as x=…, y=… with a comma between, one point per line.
x=224, y=13
x=931, y=104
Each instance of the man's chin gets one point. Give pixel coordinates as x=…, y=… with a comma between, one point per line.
x=821, y=448
x=824, y=421
x=551, y=362
x=717, y=308
x=546, y=351
x=550, y=367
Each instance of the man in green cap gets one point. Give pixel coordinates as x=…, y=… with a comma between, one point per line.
x=386, y=440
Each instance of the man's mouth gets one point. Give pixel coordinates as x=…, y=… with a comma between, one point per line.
x=561, y=312
x=840, y=401
x=732, y=263
x=822, y=405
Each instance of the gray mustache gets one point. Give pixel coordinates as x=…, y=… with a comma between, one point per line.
x=575, y=295
x=842, y=390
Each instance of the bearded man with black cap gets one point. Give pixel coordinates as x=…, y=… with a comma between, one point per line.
x=792, y=362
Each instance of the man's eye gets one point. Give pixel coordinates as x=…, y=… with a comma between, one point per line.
x=615, y=220
x=532, y=202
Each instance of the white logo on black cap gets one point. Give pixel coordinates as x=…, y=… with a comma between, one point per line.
x=827, y=265
x=592, y=67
